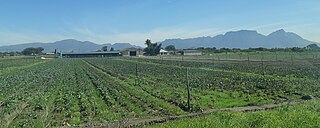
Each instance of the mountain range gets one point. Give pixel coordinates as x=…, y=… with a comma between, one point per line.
x=242, y=39
x=68, y=45
x=233, y=39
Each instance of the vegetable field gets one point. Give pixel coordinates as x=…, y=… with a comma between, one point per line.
x=85, y=91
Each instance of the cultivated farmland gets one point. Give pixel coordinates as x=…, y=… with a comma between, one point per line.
x=125, y=91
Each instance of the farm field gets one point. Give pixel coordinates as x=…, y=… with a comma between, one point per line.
x=89, y=91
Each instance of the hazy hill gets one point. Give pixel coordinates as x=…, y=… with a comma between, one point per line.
x=233, y=39
x=242, y=39
x=67, y=45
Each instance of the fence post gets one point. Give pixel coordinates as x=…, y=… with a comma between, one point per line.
x=188, y=89
x=262, y=65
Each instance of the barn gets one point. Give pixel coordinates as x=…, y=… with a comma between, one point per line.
x=90, y=54
x=132, y=52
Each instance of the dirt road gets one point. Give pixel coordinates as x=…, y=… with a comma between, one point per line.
x=151, y=120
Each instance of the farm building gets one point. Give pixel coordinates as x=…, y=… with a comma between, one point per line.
x=50, y=53
x=132, y=52
x=191, y=52
x=174, y=53
x=163, y=52
x=90, y=54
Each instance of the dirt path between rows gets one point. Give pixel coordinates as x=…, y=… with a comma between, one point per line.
x=147, y=121
x=10, y=117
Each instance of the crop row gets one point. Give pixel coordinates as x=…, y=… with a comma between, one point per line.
x=70, y=92
x=55, y=93
x=298, y=69
x=19, y=91
x=127, y=100
x=168, y=82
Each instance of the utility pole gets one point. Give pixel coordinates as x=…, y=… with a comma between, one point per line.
x=188, y=89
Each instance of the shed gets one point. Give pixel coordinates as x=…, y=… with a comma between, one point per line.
x=132, y=52
x=163, y=52
x=191, y=52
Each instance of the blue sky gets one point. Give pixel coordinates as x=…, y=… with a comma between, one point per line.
x=111, y=21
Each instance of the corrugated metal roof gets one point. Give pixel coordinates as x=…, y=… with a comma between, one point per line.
x=191, y=51
x=161, y=50
x=92, y=53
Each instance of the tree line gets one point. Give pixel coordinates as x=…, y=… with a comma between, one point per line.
x=26, y=51
x=154, y=49
x=311, y=47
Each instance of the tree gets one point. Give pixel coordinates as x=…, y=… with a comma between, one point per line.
x=104, y=48
x=112, y=49
x=38, y=50
x=12, y=53
x=32, y=51
x=297, y=49
x=313, y=47
x=152, y=49
x=170, y=48
x=200, y=48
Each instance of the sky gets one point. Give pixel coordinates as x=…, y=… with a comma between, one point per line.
x=134, y=21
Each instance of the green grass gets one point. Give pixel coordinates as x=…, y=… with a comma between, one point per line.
x=14, y=68
x=291, y=116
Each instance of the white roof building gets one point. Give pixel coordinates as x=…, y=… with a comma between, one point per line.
x=163, y=52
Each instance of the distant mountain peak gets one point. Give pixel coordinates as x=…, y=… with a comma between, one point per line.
x=280, y=31
x=248, y=31
x=243, y=39
x=67, y=40
x=242, y=32
x=68, y=45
